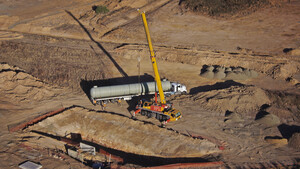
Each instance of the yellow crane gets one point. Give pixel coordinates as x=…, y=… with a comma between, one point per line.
x=161, y=111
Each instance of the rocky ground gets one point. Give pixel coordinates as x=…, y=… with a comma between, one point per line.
x=241, y=70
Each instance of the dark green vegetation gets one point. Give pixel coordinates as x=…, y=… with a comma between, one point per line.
x=222, y=7
x=100, y=9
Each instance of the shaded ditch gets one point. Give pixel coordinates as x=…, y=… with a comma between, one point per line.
x=134, y=141
x=131, y=158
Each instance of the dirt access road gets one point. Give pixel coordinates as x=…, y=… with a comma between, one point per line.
x=68, y=48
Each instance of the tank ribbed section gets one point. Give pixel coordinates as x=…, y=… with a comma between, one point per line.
x=127, y=89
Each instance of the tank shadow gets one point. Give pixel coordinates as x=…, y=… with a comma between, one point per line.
x=133, y=102
x=86, y=85
x=287, y=131
x=262, y=112
x=217, y=86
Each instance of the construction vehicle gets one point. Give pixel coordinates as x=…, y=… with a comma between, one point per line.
x=115, y=93
x=162, y=111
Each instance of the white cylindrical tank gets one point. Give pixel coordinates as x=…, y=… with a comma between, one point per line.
x=127, y=89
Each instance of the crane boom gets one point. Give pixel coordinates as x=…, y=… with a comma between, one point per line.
x=162, y=111
x=153, y=60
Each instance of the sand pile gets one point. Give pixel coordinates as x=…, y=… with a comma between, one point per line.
x=228, y=73
x=269, y=120
x=125, y=134
x=240, y=99
x=19, y=86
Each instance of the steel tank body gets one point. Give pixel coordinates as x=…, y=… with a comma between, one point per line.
x=127, y=89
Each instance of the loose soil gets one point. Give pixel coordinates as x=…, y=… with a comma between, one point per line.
x=221, y=7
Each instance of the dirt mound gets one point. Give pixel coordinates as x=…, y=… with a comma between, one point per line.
x=5, y=66
x=294, y=141
x=229, y=73
x=240, y=99
x=19, y=86
x=125, y=134
x=285, y=105
x=292, y=51
x=225, y=7
x=269, y=120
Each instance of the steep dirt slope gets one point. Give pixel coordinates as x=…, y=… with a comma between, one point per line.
x=55, y=61
x=21, y=87
x=21, y=93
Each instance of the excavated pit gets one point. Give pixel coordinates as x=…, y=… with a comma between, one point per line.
x=128, y=138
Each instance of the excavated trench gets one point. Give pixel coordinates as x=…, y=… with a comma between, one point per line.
x=132, y=140
x=137, y=159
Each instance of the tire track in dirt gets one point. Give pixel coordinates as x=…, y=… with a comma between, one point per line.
x=7, y=35
x=26, y=21
x=116, y=21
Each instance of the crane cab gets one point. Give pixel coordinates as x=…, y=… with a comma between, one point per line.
x=163, y=112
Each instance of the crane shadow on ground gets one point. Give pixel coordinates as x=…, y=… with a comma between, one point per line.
x=122, y=72
x=217, y=86
x=125, y=79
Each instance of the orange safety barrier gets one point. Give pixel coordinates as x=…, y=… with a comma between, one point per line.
x=35, y=120
x=189, y=165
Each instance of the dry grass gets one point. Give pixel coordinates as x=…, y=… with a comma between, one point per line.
x=222, y=7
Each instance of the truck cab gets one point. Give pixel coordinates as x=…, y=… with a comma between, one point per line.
x=176, y=88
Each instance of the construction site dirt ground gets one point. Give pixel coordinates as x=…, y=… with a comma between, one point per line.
x=53, y=52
